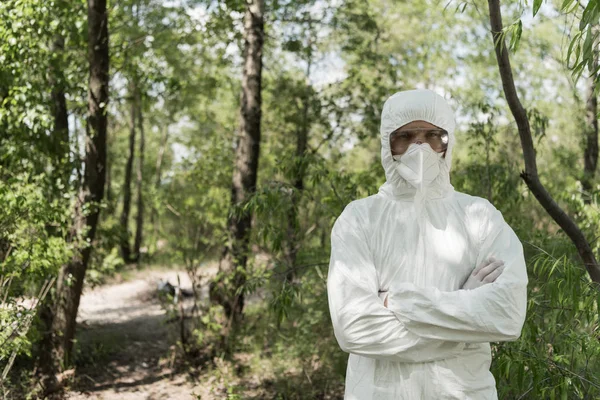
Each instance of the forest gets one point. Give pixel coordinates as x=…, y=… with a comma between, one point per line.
x=171, y=170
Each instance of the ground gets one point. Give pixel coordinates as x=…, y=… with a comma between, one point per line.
x=126, y=350
x=126, y=346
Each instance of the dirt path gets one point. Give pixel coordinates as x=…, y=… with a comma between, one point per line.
x=125, y=345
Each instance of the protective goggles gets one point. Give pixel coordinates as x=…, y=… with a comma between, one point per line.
x=401, y=139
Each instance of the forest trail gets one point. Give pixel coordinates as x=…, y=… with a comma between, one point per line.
x=126, y=344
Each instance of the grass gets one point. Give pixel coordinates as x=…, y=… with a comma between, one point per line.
x=297, y=358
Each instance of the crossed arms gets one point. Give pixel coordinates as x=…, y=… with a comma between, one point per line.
x=423, y=324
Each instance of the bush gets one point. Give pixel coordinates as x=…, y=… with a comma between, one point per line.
x=558, y=354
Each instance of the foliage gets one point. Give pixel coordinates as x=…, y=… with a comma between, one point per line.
x=328, y=66
x=558, y=354
x=296, y=358
x=28, y=62
x=32, y=248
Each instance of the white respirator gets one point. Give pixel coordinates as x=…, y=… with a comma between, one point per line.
x=419, y=165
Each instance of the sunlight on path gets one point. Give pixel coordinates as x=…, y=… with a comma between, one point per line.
x=126, y=346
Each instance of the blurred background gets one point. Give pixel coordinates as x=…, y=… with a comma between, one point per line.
x=150, y=248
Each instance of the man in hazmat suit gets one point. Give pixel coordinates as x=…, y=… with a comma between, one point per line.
x=422, y=277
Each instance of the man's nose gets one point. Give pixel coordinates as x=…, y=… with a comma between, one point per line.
x=419, y=139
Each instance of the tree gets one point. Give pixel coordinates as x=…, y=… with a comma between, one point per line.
x=590, y=156
x=87, y=209
x=139, y=219
x=530, y=174
x=582, y=54
x=125, y=248
x=48, y=367
x=226, y=289
x=59, y=111
x=305, y=47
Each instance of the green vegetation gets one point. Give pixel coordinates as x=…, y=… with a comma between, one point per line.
x=327, y=66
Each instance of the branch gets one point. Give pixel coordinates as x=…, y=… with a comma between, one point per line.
x=530, y=174
x=328, y=137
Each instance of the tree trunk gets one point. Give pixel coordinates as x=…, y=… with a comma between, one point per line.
x=159, y=162
x=71, y=276
x=125, y=249
x=530, y=174
x=232, y=275
x=139, y=220
x=47, y=365
x=161, y=155
x=48, y=362
x=590, y=159
x=109, y=194
x=293, y=244
x=60, y=135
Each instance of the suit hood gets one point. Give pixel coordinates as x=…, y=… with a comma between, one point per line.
x=400, y=109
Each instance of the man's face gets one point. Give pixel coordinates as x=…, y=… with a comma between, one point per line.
x=418, y=132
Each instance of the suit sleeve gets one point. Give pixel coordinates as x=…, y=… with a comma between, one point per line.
x=492, y=312
x=361, y=323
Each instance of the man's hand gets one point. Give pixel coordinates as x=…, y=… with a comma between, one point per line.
x=485, y=273
x=383, y=294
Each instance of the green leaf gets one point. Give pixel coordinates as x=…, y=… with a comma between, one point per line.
x=516, y=36
x=567, y=4
x=536, y=6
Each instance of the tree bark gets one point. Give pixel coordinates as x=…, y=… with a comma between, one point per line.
x=71, y=276
x=109, y=195
x=47, y=365
x=125, y=249
x=530, y=174
x=590, y=156
x=139, y=220
x=159, y=163
x=293, y=244
x=161, y=155
x=232, y=274
x=60, y=134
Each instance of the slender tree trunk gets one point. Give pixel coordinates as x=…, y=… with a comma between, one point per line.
x=139, y=229
x=530, y=174
x=159, y=162
x=60, y=135
x=47, y=365
x=590, y=160
x=125, y=249
x=293, y=244
x=109, y=193
x=232, y=274
x=48, y=362
x=161, y=154
x=72, y=275
x=109, y=190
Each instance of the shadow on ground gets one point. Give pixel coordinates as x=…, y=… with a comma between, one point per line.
x=126, y=347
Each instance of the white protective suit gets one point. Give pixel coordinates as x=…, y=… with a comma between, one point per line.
x=419, y=247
